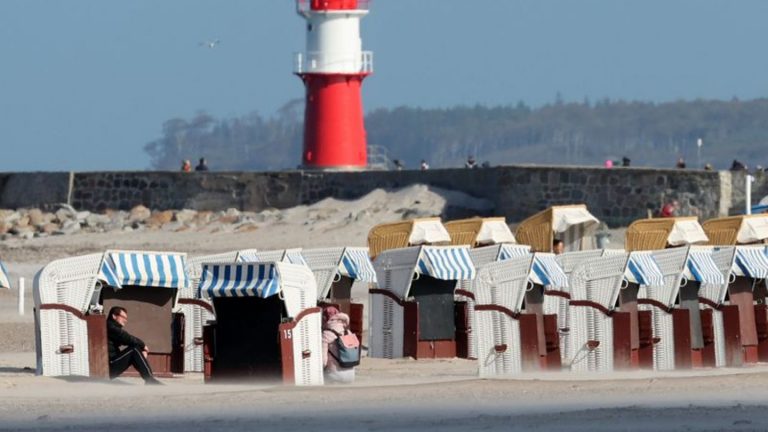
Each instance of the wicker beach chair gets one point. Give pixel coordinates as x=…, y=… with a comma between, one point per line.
x=661, y=300
x=63, y=292
x=407, y=233
x=737, y=230
x=279, y=302
x=499, y=291
x=416, y=291
x=491, y=240
x=726, y=346
x=556, y=301
x=571, y=223
x=661, y=233
x=594, y=290
x=197, y=311
x=465, y=291
x=476, y=232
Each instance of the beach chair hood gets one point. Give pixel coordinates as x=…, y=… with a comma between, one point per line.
x=686, y=232
x=428, y=231
x=546, y=271
x=643, y=269
x=151, y=269
x=751, y=261
x=439, y=262
x=260, y=279
x=753, y=229
x=700, y=266
x=493, y=231
x=565, y=217
x=725, y=260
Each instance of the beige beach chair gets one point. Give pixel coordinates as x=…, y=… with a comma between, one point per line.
x=737, y=230
x=573, y=224
x=425, y=231
x=476, y=232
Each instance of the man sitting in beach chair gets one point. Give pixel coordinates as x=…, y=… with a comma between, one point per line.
x=135, y=351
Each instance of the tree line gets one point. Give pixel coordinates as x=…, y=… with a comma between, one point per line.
x=585, y=133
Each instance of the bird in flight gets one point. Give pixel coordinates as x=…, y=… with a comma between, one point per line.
x=210, y=44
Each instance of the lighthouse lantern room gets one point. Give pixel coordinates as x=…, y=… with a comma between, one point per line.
x=333, y=69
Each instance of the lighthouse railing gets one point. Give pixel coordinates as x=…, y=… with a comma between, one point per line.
x=317, y=61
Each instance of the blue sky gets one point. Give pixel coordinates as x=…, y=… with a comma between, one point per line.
x=84, y=84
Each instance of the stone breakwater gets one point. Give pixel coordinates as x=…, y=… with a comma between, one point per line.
x=376, y=207
x=617, y=196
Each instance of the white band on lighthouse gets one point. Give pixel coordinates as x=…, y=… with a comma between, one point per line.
x=333, y=43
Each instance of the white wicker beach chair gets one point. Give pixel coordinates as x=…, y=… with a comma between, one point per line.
x=465, y=292
x=660, y=300
x=712, y=296
x=499, y=293
x=396, y=269
x=63, y=292
x=295, y=284
x=749, y=271
x=594, y=289
x=197, y=311
x=556, y=301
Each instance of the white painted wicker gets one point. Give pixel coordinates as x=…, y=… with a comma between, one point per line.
x=70, y=282
x=386, y=326
x=480, y=256
x=324, y=263
x=195, y=316
x=723, y=258
x=299, y=292
x=672, y=265
x=502, y=284
x=559, y=305
x=596, y=280
x=394, y=271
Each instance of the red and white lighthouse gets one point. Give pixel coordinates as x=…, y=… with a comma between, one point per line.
x=333, y=69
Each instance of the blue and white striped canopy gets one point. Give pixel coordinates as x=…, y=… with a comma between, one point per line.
x=700, y=267
x=446, y=263
x=643, y=269
x=144, y=269
x=509, y=251
x=751, y=262
x=5, y=282
x=547, y=272
x=239, y=280
x=356, y=264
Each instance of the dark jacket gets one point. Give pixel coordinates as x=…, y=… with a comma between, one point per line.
x=118, y=337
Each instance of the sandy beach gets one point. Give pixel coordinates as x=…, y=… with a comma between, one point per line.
x=401, y=395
